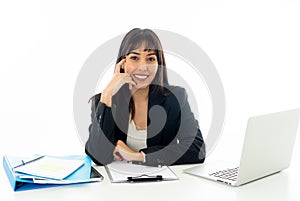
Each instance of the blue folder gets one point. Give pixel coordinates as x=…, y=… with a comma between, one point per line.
x=86, y=173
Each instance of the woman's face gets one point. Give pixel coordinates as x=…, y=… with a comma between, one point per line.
x=142, y=66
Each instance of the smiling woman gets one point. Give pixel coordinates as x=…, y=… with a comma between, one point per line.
x=142, y=66
x=139, y=116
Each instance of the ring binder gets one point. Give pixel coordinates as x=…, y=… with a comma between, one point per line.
x=19, y=182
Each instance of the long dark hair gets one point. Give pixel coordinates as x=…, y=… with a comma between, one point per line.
x=147, y=39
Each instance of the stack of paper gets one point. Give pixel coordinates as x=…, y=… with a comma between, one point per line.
x=49, y=167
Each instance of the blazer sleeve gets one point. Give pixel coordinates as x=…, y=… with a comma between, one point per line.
x=187, y=145
x=100, y=144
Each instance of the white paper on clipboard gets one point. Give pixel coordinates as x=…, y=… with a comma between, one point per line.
x=119, y=171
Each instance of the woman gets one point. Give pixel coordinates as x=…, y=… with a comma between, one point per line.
x=139, y=116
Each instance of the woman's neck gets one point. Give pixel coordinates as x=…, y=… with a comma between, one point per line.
x=141, y=94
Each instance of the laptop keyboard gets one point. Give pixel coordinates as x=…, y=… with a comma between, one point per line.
x=230, y=174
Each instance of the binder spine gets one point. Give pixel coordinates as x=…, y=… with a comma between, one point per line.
x=9, y=172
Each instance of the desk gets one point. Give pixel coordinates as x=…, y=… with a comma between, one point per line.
x=279, y=187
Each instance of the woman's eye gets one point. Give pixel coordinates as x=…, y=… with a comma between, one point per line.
x=134, y=58
x=151, y=59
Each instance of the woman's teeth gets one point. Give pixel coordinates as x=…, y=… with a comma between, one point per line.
x=141, y=77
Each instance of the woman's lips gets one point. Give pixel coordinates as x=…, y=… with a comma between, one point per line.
x=140, y=77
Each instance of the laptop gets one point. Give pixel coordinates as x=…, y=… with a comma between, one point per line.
x=267, y=149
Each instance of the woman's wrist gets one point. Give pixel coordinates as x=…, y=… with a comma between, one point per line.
x=106, y=99
x=140, y=157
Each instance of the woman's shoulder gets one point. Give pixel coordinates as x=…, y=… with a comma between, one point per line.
x=176, y=92
x=95, y=99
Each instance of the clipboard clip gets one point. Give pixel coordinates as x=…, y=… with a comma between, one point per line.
x=145, y=178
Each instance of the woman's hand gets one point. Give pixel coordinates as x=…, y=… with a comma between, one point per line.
x=123, y=152
x=117, y=81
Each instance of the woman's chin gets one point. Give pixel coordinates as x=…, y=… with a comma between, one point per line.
x=140, y=86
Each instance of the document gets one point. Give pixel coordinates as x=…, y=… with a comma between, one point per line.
x=123, y=171
x=75, y=178
x=49, y=167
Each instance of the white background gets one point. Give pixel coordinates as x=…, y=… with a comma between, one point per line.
x=255, y=46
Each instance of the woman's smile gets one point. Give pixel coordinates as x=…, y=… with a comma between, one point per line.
x=140, y=77
x=142, y=66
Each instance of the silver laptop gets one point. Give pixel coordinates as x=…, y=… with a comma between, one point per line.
x=268, y=147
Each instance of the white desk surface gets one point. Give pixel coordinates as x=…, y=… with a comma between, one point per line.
x=282, y=186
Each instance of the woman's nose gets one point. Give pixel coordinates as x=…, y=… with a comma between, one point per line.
x=143, y=67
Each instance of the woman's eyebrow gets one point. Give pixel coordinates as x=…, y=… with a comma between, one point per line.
x=153, y=53
x=134, y=53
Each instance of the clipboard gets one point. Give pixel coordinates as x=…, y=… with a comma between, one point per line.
x=123, y=171
x=20, y=182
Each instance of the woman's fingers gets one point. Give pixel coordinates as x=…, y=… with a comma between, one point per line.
x=119, y=80
x=127, y=79
x=117, y=155
x=122, y=77
x=123, y=152
x=130, y=82
x=118, y=149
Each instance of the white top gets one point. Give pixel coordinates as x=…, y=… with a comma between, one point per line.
x=136, y=139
